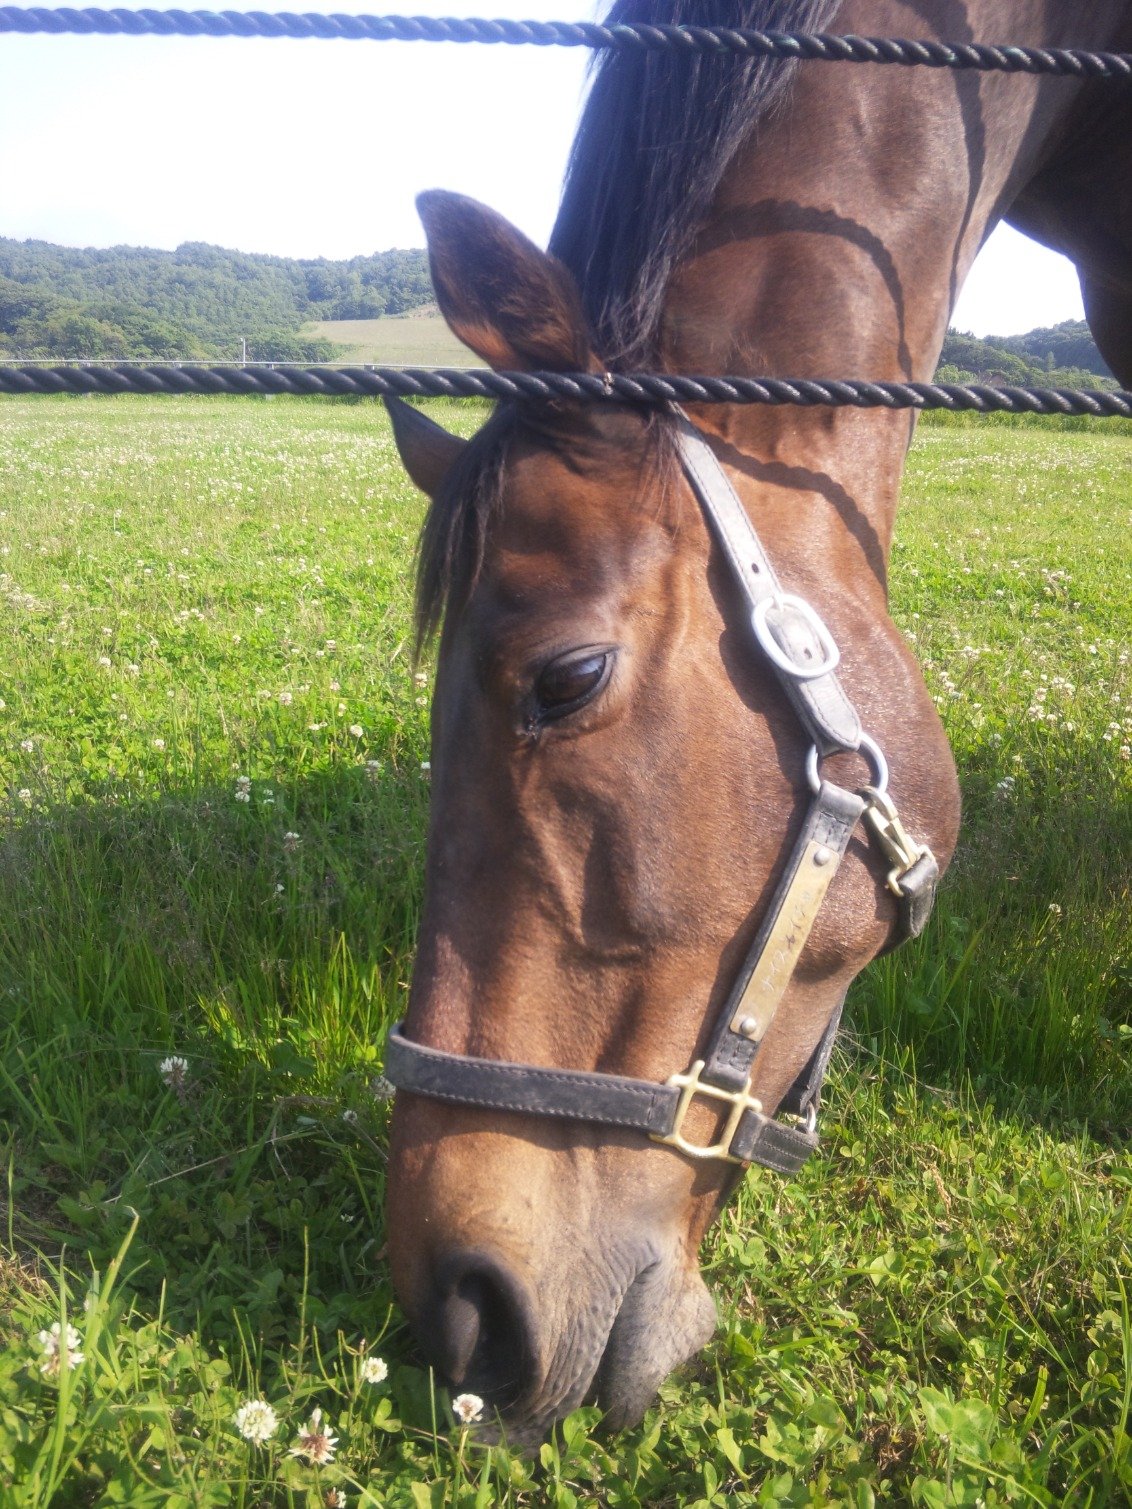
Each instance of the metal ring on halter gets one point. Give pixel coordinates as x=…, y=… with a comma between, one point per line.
x=830, y=654
x=867, y=747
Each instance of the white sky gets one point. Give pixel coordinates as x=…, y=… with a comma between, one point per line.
x=318, y=148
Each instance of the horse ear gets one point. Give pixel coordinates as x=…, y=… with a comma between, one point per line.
x=427, y=450
x=514, y=305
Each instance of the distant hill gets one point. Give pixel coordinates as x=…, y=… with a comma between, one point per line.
x=197, y=301
x=202, y=301
x=1055, y=356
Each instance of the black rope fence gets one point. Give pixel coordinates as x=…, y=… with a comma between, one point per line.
x=637, y=36
x=620, y=387
x=626, y=387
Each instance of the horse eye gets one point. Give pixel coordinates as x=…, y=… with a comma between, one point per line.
x=567, y=683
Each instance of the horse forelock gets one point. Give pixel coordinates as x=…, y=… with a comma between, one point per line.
x=657, y=134
x=454, y=538
x=454, y=535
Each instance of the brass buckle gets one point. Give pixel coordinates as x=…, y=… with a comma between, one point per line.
x=891, y=837
x=690, y=1085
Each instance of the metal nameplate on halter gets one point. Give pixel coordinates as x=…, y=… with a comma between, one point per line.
x=793, y=925
x=690, y=1085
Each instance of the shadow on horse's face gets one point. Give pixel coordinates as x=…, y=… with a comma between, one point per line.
x=616, y=777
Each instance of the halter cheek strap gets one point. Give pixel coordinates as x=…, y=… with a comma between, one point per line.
x=803, y=654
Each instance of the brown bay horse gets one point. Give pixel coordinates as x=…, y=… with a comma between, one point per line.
x=619, y=778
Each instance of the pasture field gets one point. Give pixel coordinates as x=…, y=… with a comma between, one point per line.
x=211, y=747
x=401, y=340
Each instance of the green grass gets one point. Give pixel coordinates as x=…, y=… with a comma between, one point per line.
x=403, y=340
x=205, y=599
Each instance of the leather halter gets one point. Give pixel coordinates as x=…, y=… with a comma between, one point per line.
x=804, y=657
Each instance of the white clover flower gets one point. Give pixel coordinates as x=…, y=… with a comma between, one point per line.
x=159, y=743
x=256, y=1421
x=356, y=730
x=335, y=1499
x=285, y=699
x=467, y=1407
x=174, y=1070
x=104, y=662
x=291, y=842
x=243, y=796
x=24, y=794
x=426, y=766
x=57, y=1349
x=373, y=1370
x=315, y=1443
x=27, y=745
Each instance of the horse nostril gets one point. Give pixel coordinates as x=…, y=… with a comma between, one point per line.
x=480, y=1331
x=462, y=1327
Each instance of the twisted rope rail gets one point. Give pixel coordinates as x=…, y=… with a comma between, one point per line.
x=621, y=387
x=639, y=36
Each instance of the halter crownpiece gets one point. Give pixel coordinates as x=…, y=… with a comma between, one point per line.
x=804, y=656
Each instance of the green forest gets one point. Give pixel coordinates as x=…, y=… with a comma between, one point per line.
x=199, y=301
x=203, y=301
x=1055, y=356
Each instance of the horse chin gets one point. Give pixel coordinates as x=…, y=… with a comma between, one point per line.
x=666, y=1317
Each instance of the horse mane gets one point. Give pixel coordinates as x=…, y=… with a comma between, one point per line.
x=657, y=134
x=655, y=138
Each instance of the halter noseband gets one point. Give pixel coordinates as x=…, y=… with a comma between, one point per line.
x=804, y=657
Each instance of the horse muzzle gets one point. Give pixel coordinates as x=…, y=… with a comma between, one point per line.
x=607, y=1330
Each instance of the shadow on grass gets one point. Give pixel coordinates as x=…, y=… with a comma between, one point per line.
x=1023, y=981
x=267, y=941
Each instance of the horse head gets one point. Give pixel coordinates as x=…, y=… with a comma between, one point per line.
x=617, y=782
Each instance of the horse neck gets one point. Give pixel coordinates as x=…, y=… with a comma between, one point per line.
x=838, y=241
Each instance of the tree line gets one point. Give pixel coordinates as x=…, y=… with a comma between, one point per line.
x=198, y=301
x=1054, y=356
